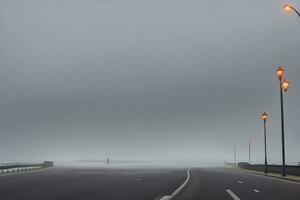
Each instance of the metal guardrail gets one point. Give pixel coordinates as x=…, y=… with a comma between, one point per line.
x=8, y=166
x=19, y=165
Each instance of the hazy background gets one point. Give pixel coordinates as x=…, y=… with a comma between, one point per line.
x=146, y=79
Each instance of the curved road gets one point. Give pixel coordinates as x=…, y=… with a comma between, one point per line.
x=232, y=184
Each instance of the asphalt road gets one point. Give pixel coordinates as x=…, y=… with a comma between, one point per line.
x=91, y=184
x=143, y=184
x=231, y=184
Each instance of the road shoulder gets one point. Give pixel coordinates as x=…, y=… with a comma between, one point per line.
x=295, y=179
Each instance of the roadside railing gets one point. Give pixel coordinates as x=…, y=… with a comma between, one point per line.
x=18, y=167
x=290, y=169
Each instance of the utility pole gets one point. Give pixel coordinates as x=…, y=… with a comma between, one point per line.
x=250, y=142
x=265, y=117
x=234, y=155
x=249, y=153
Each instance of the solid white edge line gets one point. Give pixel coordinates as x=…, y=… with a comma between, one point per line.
x=234, y=196
x=171, y=196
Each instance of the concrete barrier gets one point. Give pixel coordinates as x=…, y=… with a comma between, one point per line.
x=48, y=164
x=290, y=169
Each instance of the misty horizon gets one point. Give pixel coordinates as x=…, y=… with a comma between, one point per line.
x=146, y=80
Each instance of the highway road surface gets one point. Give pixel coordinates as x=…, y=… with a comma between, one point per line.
x=70, y=183
x=60, y=183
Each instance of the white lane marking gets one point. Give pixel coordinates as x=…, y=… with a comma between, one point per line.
x=234, y=196
x=240, y=182
x=256, y=190
x=167, y=197
x=171, y=196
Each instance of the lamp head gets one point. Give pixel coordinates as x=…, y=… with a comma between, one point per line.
x=287, y=8
x=285, y=85
x=264, y=116
x=280, y=72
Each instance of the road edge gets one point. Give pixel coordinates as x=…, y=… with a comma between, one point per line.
x=268, y=175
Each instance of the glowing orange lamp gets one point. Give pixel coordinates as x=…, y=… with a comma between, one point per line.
x=288, y=8
x=285, y=85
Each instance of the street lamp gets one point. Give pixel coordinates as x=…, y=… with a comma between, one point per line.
x=283, y=85
x=288, y=8
x=264, y=117
x=250, y=141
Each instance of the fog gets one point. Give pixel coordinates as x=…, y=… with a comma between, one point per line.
x=146, y=80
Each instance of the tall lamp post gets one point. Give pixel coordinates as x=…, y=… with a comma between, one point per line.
x=288, y=8
x=264, y=116
x=250, y=142
x=234, y=156
x=283, y=85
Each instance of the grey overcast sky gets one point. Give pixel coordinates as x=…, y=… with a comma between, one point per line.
x=146, y=79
